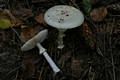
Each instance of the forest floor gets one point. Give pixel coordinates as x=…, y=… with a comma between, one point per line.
x=91, y=52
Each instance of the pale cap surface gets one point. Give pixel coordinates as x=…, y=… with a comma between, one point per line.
x=40, y=37
x=64, y=17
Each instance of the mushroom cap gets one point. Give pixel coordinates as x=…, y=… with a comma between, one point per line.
x=64, y=17
x=40, y=37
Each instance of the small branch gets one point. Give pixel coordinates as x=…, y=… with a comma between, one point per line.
x=114, y=76
x=110, y=42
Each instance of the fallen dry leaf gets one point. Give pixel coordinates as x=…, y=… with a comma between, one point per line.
x=7, y=19
x=40, y=19
x=23, y=13
x=98, y=14
x=88, y=35
x=29, y=69
x=116, y=30
x=76, y=64
x=6, y=11
x=29, y=65
x=4, y=35
x=27, y=33
x=6, y=23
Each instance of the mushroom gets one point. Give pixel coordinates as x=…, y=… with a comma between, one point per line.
x=63, y=17
x=35, y=41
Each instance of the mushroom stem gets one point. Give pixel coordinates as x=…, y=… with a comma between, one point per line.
x=60, y=38
x=52, y=64
x=42, y=50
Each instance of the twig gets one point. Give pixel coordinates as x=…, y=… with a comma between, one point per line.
x=75, y=4
x=16, y=75
x=17, y=35
x=15, y=31
x=100, y=52
x=41, y=72
x=114, y=76
x=27, y=2
x=115, y=15
x=84, y=74
x=110, y=42
x=14, y=69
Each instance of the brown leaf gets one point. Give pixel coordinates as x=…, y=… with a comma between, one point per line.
x=29, y=65
x=6, y=11
x=27, y=33
x=23, y=12
x=4, y=36
x=10, y=17
x=98, y=14
x=76, y=64
x=29, y=69
x=116, y=30
x=88, y=35
x=40, y=19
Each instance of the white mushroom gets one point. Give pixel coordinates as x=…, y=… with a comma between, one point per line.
x=35, y=41
x=40, y=37
x=63, y=17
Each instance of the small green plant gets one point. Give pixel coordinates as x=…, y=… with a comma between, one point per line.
x=87, y=6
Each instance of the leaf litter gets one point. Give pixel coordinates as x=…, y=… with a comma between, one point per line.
x=89, y=53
